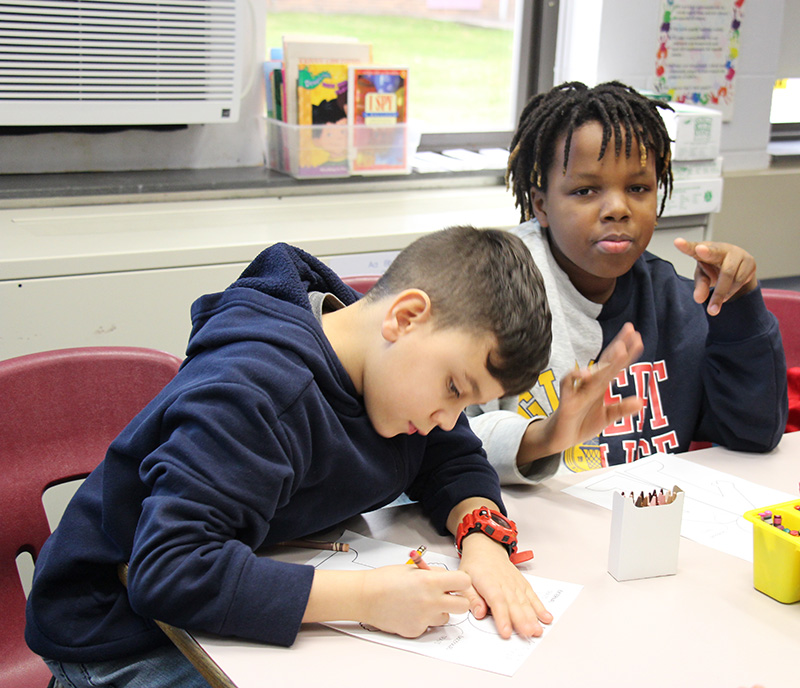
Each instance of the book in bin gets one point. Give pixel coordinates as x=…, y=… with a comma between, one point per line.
x=322, y=114
x=378, y=110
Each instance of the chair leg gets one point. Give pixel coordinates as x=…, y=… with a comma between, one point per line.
x=188, y=646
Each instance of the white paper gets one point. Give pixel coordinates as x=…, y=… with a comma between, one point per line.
x=465, y=640
x=698, y=50
x=713, y=504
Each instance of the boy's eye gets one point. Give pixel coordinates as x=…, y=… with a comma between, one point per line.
x=582, y=192
x=640, y=188
x=454, y=390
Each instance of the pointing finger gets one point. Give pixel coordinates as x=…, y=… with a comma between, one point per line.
x=685, y=246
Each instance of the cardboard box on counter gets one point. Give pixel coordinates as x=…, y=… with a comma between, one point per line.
x=694, y=169
x=694, y=197
x=696, y=131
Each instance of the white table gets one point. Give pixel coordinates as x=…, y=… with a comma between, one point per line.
x=706, y=626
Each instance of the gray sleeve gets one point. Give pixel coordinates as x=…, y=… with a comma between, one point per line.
x=501, y=433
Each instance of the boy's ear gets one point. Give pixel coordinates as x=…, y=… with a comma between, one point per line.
x=408, y=310
x=539, y=206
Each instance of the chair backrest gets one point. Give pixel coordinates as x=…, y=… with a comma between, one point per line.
x=785, y=306
x=60, y=411
x=361, y=283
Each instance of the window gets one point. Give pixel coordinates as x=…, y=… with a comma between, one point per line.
x=785, y=110
x=785, y=102
x=472, y=64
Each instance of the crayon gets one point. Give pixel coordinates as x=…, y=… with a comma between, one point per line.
x=317, y=544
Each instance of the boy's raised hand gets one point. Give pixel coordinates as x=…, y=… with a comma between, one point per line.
x=583, y=411
x=728, y=269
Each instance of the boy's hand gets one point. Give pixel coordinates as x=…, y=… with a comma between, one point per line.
x=497, y=585
x=728, y=269
x=400, y=599
x=582, y=409
x=407, y=600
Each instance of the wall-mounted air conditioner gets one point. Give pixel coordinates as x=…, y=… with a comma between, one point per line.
x=108, y=62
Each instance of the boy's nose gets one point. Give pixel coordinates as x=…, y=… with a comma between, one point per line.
x=615, y=207
x=446, y=419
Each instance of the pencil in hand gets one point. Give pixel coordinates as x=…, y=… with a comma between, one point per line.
x=416, y=558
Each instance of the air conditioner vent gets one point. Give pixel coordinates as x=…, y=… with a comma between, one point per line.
x=74, y=62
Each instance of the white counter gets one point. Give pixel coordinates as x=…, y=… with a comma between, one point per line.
x=126, y=274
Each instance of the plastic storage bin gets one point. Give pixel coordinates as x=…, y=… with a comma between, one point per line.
x=316, y=151
x=776, y=553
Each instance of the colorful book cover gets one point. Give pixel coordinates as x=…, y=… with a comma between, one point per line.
x=270, y=66
x=378, y=107
x=276, y=79
x=322, y=114
x=302, y=50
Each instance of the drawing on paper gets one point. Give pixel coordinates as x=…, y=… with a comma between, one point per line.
x=464, y=639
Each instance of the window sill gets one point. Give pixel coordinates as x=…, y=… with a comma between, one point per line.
x=784, y=153
x=89, y=188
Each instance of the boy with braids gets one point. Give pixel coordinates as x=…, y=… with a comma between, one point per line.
x=585, y=166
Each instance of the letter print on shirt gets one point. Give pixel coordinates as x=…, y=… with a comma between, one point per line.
x=636, y=436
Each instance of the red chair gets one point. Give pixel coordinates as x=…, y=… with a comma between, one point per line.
x=61, y=410
x=785, y=306
x=361, y=283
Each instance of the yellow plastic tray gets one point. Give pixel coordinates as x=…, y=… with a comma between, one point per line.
x=776, y=553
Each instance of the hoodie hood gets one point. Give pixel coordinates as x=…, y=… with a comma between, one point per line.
x=289, y=273
x=276, y=284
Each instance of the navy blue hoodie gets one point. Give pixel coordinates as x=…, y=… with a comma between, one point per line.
x=260, y=438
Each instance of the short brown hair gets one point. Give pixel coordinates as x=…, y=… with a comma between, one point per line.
x=481, y=281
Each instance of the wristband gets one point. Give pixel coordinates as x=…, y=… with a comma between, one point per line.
x=495, y=526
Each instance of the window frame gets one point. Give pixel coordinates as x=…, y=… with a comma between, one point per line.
x=785, y=131
x=535, y=36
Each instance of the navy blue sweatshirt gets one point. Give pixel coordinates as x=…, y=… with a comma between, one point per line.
x=260, y=438
x=724, y=377
x=721, y=379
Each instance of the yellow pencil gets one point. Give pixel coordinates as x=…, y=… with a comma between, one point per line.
x=416, y=558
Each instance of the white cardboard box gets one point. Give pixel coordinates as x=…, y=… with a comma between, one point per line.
x=694, y=169
x=695, y=131
x=693, y=197
x=644, y=540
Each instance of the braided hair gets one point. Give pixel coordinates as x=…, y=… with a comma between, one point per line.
x=564, y=109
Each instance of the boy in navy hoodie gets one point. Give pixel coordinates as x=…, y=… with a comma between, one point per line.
x=297, y=407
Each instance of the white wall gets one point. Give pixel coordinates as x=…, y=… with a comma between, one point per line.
x=628, y=34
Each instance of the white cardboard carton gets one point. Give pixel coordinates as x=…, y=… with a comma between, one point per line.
x=644, y=540
x=693, y=197
x=694, y=169
x=695, y=130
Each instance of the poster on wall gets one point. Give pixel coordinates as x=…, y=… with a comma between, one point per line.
x=698, y=52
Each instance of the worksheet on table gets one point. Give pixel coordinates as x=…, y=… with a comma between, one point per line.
x=465, y=639
x=713, y=502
